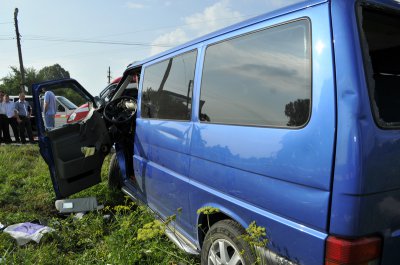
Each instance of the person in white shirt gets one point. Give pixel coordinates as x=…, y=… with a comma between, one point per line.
x=11, y=117
x=5, y=132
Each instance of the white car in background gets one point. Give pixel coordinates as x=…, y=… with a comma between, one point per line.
x=106, y=95
x=64, y=109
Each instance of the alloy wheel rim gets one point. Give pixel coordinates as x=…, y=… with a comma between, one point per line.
x=223, y=252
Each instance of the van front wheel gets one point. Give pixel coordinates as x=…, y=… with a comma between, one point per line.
x=224, y=245
x=114, y=173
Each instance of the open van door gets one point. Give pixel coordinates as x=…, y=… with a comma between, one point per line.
x=75, y=152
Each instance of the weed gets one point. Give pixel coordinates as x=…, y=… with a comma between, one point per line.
x=255, y=236
x=130, y=235
x=151, y=230
x=207, y=211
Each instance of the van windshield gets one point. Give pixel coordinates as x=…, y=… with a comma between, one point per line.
x=67, y=103
x=381, y=43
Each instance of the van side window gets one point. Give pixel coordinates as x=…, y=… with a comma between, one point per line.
x=381, y=44
x=262, y=78
x=168, y=87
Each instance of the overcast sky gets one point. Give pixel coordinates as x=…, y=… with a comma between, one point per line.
x=86, y=37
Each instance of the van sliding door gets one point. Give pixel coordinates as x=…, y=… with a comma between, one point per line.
x=163, y=136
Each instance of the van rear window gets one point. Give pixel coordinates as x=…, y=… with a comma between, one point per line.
x=381, y=43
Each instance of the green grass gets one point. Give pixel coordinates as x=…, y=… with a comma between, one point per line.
x=26, y=194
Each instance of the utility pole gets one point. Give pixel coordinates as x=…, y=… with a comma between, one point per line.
x=21, y=64
x=109, y=75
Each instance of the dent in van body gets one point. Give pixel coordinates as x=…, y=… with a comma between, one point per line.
x=366, y=187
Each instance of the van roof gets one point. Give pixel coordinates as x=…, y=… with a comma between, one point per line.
x=251, y=21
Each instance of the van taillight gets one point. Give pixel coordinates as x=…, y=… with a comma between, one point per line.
x=361, y=251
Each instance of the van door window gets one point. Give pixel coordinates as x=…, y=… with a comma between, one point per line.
x=67, y=100
x=381, y=36
x=168, y=87
x=262, y=78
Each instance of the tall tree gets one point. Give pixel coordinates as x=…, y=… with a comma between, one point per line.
x=298, y=112
x=11, y=83
x=52, y=73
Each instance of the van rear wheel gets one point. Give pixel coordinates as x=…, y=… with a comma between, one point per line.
x=224, y=245
x=114, y=173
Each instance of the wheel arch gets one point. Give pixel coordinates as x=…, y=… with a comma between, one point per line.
x=203, y=225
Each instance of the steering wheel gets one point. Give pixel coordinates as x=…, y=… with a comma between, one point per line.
x=120, y=110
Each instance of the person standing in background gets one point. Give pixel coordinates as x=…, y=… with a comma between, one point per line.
x=4, y=132
x=49, y=109
x=23, y=110
x=11, y=117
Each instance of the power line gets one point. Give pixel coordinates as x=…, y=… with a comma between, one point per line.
x=83, y=54
x=112, y=42
x=50, y=39
x=61, y=39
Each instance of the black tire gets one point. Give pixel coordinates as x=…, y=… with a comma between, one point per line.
x=114, y=173
x=229, y=232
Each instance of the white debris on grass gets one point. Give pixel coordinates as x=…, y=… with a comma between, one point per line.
x=25, y=232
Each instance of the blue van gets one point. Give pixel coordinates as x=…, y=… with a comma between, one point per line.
x=290, y=119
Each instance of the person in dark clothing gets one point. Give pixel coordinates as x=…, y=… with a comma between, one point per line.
x=23, y=110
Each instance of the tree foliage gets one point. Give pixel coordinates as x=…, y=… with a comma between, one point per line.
x=298, y=112
x=71, y=95
x=52, y=73
x=12, y=82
